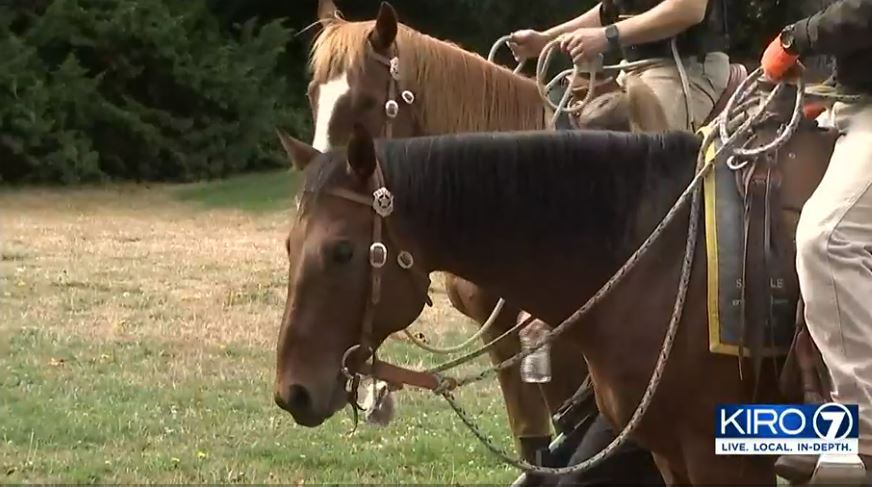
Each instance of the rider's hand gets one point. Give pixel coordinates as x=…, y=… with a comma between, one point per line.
x=584, y=43
x=527, y=43
x=777, y=62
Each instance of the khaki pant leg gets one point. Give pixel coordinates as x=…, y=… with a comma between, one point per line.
x=834, y=263
x=707, y=81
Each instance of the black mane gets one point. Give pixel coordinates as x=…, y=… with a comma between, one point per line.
x=568, y=185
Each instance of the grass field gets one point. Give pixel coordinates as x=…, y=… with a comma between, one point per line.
x=137, y=336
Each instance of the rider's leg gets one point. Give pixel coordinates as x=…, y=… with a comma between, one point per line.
x=834, y=263
x=528, y=413
x=707, y=81
x=630, y=465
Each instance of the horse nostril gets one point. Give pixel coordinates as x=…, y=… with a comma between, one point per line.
x=299, y=400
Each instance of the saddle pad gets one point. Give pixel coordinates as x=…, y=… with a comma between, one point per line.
x=725, y=229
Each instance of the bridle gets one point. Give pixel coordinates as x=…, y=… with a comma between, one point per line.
x=354, y=364
x=382, y=204
x=392, y=107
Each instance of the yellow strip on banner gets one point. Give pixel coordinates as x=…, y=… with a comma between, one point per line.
x=711, y=244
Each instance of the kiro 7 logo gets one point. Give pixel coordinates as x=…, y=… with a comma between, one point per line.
x=832, y=421
x=761, y=429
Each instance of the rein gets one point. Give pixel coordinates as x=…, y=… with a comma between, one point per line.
x=733, y=124
x=729, y=127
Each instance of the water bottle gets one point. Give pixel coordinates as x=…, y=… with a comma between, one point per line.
x=536, y=367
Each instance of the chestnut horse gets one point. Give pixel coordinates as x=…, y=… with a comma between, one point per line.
x=544, y=219
x=350, y=84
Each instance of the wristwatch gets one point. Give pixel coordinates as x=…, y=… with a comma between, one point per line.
x=613, y=36
x=788, y=39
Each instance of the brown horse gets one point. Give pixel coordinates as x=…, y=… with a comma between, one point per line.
x=351, y=84
x=543, y=219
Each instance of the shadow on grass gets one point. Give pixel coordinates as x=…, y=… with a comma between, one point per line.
x=257, y=192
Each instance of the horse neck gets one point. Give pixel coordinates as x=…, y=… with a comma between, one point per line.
x=550, y=276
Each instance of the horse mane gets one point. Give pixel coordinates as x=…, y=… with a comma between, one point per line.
x=578, y=187
x=455, y=90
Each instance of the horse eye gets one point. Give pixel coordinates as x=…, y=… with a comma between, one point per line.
x=343, y=252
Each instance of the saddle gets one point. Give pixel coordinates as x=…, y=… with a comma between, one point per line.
x=775, y=187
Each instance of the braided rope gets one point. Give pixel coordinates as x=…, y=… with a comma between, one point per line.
x=831, y=93
x=704, y=166
x=656, y=376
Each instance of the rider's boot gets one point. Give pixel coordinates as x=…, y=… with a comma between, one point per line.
x=534, y=449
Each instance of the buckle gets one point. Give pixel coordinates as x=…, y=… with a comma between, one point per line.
x=408, y=97
x=392, y=108
x=378, y=255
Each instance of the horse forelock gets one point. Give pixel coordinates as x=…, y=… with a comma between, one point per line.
x=455, y=90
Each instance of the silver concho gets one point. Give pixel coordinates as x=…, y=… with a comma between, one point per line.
x=383, y=202
x=408, y=97
x=378, y=255
x=395, y=68
x=405, y=260
x=392, y=108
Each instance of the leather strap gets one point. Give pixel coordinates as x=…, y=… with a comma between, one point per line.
x=393, y=375
x=398, y=376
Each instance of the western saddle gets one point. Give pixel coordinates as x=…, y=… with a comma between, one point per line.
x=774, y=186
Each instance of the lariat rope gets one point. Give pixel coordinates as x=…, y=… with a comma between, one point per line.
x=740, y=123
x=737, y=120
x=543, y=65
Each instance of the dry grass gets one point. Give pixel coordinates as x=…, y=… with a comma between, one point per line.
x=132, y=263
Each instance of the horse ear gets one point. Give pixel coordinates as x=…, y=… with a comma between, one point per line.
x=361, y=153
x=300, y=153
x=327, y=10
x=385, y=32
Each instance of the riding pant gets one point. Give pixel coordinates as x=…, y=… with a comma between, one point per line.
x=707, y=79
x=834, y=263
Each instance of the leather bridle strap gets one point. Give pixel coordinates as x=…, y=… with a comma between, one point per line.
x=381, y=202
x=392, y=107
x=397, y=376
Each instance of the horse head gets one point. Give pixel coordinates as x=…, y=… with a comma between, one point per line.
x=352, y=279
x=355, y=78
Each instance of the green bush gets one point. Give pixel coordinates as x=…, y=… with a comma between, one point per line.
x=139, y=89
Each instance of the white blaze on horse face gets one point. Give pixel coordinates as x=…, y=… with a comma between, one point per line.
x=329, y=94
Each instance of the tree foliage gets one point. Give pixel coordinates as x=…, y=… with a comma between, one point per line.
x=179, y=90
x=145, y=89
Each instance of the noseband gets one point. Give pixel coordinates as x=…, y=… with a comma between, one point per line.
x=382, y=204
